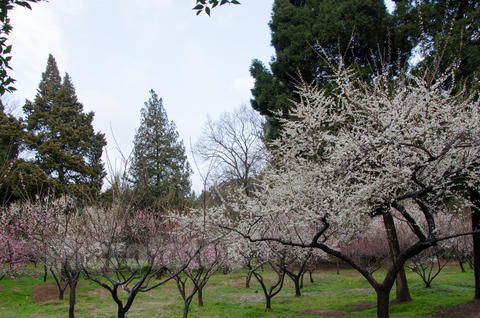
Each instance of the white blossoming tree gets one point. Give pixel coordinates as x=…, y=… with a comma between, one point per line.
x=198, y=252
x=360, y=153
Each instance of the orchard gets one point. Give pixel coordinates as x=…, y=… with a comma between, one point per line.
x=356, y=196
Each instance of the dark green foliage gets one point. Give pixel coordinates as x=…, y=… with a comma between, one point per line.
x=19, y=179
x=160, y=170
x=10, y=141
x=25, y=181
x=10, y=136
x=448, y=33
x=66, y=147
x=6, y=81
x=362, y=32
x=270, y=96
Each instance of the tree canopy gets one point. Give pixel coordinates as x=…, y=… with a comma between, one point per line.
x=160, y=170
x=62, y=137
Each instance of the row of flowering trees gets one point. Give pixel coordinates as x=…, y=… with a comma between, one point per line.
x=350, y=160
x=129, y=252
x=123, y=250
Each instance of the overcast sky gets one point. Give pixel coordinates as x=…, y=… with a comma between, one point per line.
x=117, y=50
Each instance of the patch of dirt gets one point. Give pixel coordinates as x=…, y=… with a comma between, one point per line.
x=362, y=306
x=99, y=292
x=250, y=298
x=325, y=313
x=471, y=310
x=45, y=293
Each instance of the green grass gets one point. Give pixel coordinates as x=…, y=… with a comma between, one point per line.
x=225, y=296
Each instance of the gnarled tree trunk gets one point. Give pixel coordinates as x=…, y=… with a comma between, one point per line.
x=403, y=294
x=383, y=302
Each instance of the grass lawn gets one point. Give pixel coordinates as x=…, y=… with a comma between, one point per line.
x=225, y=296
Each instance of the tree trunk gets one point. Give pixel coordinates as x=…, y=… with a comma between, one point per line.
x=268, y=303
x=296, y=281
x=383, y=303
x=45, y=272
x=200, y=296
x=403, y=294
x=461, y=266
x=120, y=312
x=301, y=280
x=311, y=276
x=72, y=299
x=475, y=199
x=248, y=279
x=186, y=309
x=61, y=288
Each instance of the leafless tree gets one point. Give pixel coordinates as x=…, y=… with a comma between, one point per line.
x=234, y=143
x=429, y=264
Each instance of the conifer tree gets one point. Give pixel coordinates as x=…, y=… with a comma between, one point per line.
x=304, y=30
x=160, y=170
x=10, y=138
x=10, y=135
x=447, y=33
x=19, y=179
x=66, y=146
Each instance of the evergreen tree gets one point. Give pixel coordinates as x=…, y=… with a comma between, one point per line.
x=448, y=33
x=66, y=146
x=10, y=139
x=360, y=31
x=160, y=170
x=10, y=135
x=19, y=179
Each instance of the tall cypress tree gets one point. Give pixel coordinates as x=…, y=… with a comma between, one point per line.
x=160, y=170
x=66, y=146
x=359, y=31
